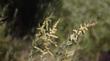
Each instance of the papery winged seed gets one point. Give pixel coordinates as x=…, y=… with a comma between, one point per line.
x=73, y=37
x=79, y=32
x=54, y=36
x=86, y=28
x=81, y=28
x=39, y=49
x=75, y=31
x=83, y=31
x=52, y=32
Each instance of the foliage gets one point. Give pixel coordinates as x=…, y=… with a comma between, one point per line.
x=46, y=40
x=65, y=43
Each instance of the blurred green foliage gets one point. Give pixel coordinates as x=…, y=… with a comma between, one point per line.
x=81, y=11
x=76, y=12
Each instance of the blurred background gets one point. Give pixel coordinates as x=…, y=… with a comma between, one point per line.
x=95, y=43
